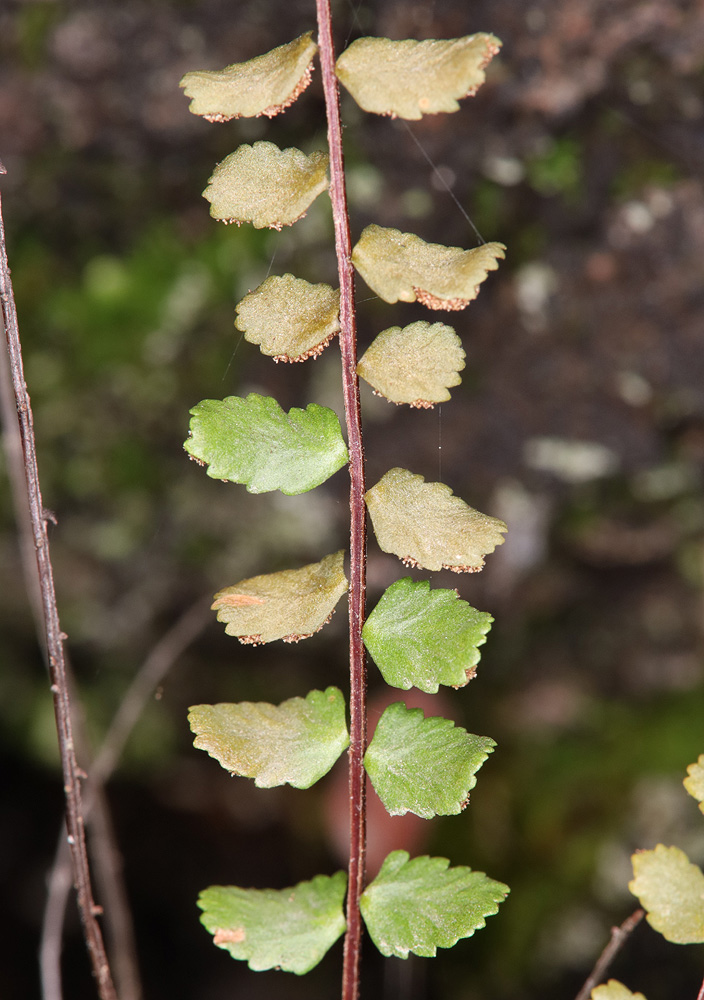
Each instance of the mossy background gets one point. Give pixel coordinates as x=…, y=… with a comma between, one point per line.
x=580, y=421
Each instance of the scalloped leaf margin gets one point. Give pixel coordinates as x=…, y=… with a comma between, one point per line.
x=253, y=441
x=694, y=782
x=264, y=85
x=671, y=891
x=289, y=929
x=291, y=605
x=423, y=638
x=290, y=318
x=421, y=905
x=294, y=743
x=409, y=78
x=416, y=364
x=425, y=766
x=614, y=990
x=403, y=267
x=425, y=525
x=265, y=185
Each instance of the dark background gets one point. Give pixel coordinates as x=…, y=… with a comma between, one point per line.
x=580, y=421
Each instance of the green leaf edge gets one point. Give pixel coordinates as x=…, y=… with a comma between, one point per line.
x=269, y=409
x=442, y=728
x=397, y=860
x=374, y=643
x=338, y=882
x=312, y=699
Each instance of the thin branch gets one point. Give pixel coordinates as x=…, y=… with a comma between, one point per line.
x=107, y=862
x=357, y=592
x=54, y=639
x=160, y=660
x=700, y=995
x=619, y=935
x=118, y=922
x=59, y=886
x=12, y=448
x=152, y=672
x=103, y=847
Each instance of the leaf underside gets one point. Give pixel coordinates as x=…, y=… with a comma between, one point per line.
x=253, y=441
x=289, y=605
x=289, y=318
x=695, y=782
x=409, y=79
x=671, y=891
x=425, y=525
x=288, y=929
x=403, y=267
x=614, y=990
x=265, y=85
x=294, y=743
x=421, y=905
x=423, y=766
x=423, y=638
x=265, y=185
x=415, y=364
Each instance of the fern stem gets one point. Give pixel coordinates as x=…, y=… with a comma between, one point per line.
x=350, y=383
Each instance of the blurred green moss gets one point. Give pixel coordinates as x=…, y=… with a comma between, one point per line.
x=558, y=169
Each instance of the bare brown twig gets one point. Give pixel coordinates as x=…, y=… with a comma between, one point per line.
x=103, y=848
x=160, y=660
x=148, y=677
x=619, y=935
x=119, y=930
x=350, y=384
x=107, y=863
x=54, y=639
x=12, y=448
